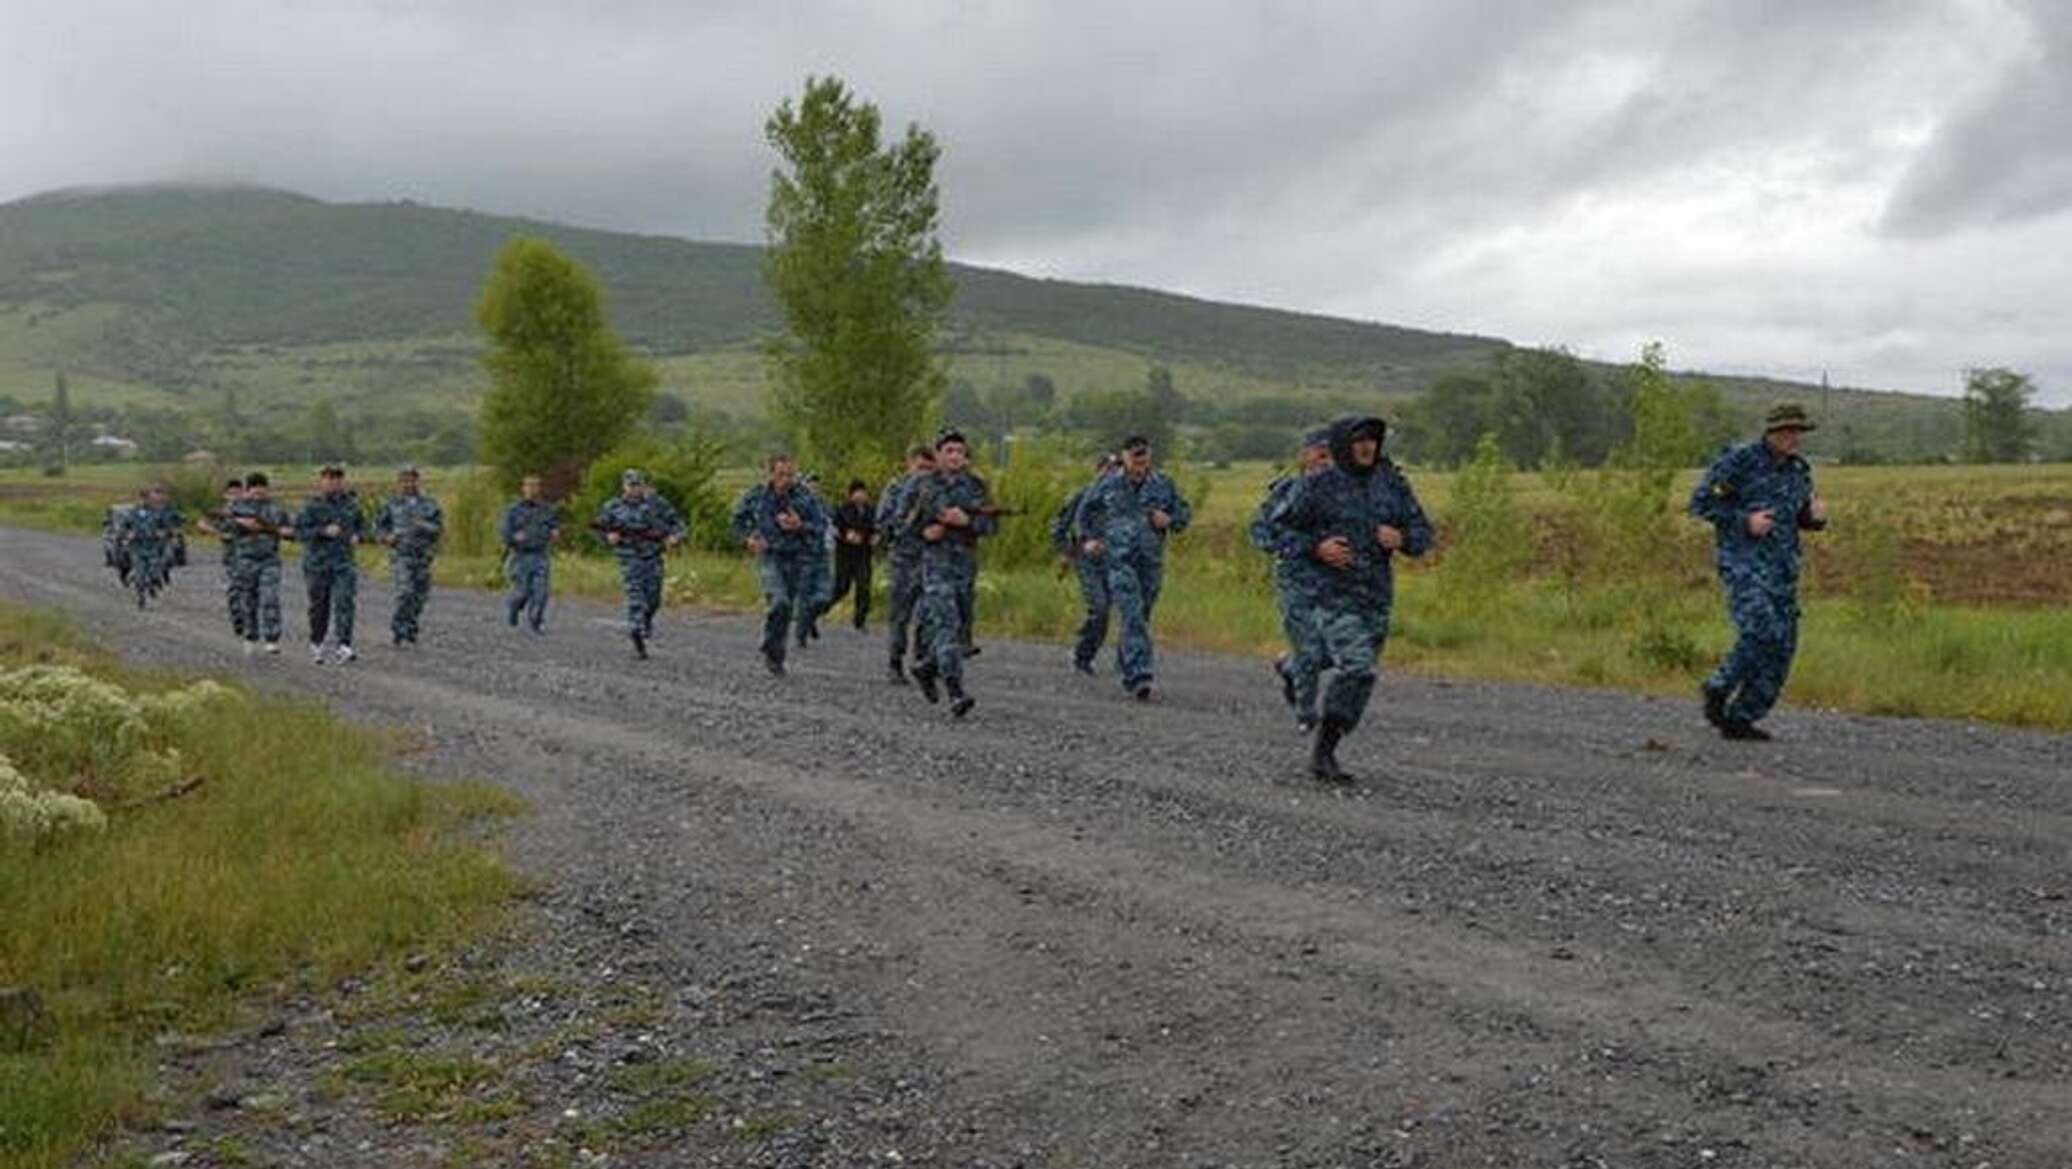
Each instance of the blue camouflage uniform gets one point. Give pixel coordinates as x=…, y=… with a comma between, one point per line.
x=789, y=560
x=640, y=559
x=219, y=526
x=414, y=523
x=1351, y=605
x=151, y=537
x=1067, y=540
x=527, y=530
x=255, y=568
x=903, y=545
x=1298, y=582
x=819, y=582
x=328, y=572
x=1116, y=511
x=1760, y=575
x=949, y=568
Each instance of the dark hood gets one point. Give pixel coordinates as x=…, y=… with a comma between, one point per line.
x=1342, y=432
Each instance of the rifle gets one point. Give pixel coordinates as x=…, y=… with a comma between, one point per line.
x=636, y=535
x=227, y=525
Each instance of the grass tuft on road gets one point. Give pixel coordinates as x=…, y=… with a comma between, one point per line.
x=299, y=858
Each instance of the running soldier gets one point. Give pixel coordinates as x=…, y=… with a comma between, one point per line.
x=949, y=510
x=1297, y=583
x=1127, y=517
x=903, y=548
x=151, y=534
x=529, y=530
x=1352, y=519
x=257, y=525
x=1758, y=497
x=640, y=526
x=784, y=526
x=410, y=523
x=1066, y=539
x=218, y=524
x=329, y=526
x=855, y=527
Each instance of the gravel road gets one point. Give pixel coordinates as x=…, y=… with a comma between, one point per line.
x=1547, y=927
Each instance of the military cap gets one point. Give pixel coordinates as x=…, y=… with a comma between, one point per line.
x=631, y=476
x=332, y=471
x=1787, y=416
x=947, y=435
x=407, y=471
x=1316, y=436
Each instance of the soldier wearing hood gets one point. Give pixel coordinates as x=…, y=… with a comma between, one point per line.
x=1758, y=497
x=1297, y=581
x=1351, y=521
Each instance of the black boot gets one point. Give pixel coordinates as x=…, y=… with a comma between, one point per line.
x=924, y=677
x=1280, y=670
x=1323, y=756
x=1715, y=705
x=639, y=645
x=960, y=702
x=894, y=674
x=1742, y=729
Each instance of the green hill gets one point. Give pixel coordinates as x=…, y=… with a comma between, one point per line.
x=188, y=297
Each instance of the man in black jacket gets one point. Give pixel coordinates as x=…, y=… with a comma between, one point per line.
x=856, y=524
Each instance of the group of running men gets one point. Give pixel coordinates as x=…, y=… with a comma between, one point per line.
x=1333, y=528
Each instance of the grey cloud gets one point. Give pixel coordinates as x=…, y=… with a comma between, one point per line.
x=2007, y=157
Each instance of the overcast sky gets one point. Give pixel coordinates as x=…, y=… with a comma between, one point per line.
x=1875, y=187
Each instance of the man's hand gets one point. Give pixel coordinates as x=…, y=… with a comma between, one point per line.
x=612, y=538
x=1389, y=537
x=1817, y=508
x=1760, y=522
x=1093, y=549
x=758, y=545
x=331, y=531
x=789, y=521
x=519, y=537
x=672, y=541
x=248, y=522
x=956, y=517
x=1160, y=520
x=933, y=532
x=853, y=536
x=1336, y=552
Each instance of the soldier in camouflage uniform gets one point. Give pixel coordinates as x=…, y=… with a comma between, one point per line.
x=529, y=528
x=256, y=527
x=1065, y=540
x=903, y=545
x=819, y=587
x=783, y=524
x=948, y=509
x=151, y=537
x=329, y=526
x=640, y=526
x=1297, y=582
x=218, y=524
x=410, y=523
x=1127, y=517
x=1758, y=497
x=1352, y=519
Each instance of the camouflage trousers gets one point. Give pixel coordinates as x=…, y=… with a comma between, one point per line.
x=1093, y=592
x=903, y=598
x=531, y=575
x=1306, y=661
x=641, y=576
x=788, y=597
x=1350, y=634
x=412, y=578
x=947, y=586
x=151, y=567
x=237, y=615
x=334, y=592
x=1133, y=584
x=1766, y=629
x=255, y=598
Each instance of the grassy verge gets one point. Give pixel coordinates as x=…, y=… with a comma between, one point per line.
x=299, y=857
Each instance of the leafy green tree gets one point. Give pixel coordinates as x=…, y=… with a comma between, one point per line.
x=855, y=265
x=563, y=387
x=1997, y=426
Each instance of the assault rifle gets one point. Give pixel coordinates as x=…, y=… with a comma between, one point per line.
x=632, y=535
x=226, y=525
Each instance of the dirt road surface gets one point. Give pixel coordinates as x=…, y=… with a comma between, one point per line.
x=1547, y=927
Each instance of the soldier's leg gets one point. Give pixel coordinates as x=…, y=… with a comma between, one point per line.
x=1093, y=592
x=518, y=576
x=1133, y=646
x=777, y=602
x=1353, y=638
x=244, y=599
x=399, y=584
x=409, y=596
x=345, y=596
x=629, y=584
x=945, y=593
x=539, y=585
x=863, y=588
x=1306, y=659
x=1769, y=627
x=230, y=601
x=904, y=596
x=268, y=598
x=317, y=582
x=1748, y=609
x=650, y=593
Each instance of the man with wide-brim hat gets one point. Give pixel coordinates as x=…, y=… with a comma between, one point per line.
x=1758, y=497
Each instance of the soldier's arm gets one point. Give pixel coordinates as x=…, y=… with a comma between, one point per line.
x=1181, y=513
x=1292, y=522
x=1717, y=498
x=1260, y=531
x=673, y=521
x=436, y=522
x=1416, y=527
x=1093, y=510
x=1061, y=524
x=306, y=522
x=507, y=526
x=743, y=523
x=981, y=523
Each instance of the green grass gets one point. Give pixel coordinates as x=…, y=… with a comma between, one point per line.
x=300, y=858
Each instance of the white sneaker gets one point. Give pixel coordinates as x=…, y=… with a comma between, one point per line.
x=316, y=655
x=273, y=647
x=345, y=654
x=251, y=647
